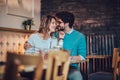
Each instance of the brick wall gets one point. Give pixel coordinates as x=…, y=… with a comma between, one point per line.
x=90, y=14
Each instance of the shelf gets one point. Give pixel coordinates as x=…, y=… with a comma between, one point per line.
x=16, y=30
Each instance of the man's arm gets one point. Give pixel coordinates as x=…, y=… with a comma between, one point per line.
x=27, y=45
x=81, y=49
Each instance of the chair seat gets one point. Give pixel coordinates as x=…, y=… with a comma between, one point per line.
x=101, y=76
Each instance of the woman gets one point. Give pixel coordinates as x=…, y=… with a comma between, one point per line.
x=42, y=40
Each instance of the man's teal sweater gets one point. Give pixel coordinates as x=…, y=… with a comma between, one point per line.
x=75, y=43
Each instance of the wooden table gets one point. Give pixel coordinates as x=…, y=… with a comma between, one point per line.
x=97, y=56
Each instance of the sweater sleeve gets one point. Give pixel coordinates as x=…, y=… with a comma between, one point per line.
x=82, y=46
x=31, y=39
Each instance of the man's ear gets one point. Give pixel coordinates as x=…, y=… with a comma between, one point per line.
x=66, y=24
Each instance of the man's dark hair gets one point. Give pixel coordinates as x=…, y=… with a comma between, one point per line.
x=66, y=17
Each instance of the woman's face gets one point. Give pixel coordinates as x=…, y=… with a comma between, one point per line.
x=52, y=25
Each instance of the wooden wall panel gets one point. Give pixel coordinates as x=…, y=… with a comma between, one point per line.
x=13, y=40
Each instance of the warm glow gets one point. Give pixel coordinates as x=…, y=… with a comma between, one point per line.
x=90, y=21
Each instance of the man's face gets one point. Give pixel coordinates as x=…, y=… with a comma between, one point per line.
x=60, y=24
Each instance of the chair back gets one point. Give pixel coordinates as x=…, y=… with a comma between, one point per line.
x=58, y=70
x=116, y=61
x=15, y=60
x=117, y=66
x=115, y=51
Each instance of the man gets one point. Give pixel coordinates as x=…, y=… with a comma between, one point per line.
x=73, y=41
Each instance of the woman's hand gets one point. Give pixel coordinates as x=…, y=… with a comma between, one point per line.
x=61, y=34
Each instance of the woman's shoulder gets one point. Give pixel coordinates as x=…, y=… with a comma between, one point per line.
x=35, y=34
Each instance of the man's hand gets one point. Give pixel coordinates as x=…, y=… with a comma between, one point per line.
x=77, y=58
x=27, y=45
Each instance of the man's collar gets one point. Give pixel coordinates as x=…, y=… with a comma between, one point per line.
x=70, y=31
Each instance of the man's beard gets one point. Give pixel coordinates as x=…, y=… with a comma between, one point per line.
x=60, y=28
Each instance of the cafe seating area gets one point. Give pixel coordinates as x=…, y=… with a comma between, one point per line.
x=56, y=66
x=99, y=50
x=115, y=69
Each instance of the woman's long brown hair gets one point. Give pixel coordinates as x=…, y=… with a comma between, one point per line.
x=44, y=26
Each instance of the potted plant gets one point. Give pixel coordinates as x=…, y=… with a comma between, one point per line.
x=27, y=24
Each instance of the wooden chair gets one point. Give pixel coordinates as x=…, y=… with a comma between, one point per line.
x=15, y=60
x=84, y=68
x=107, y=75
x=117, y=64
x=58, y=62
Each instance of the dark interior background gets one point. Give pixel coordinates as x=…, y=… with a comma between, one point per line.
x=90, y=14
x=99, y=20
